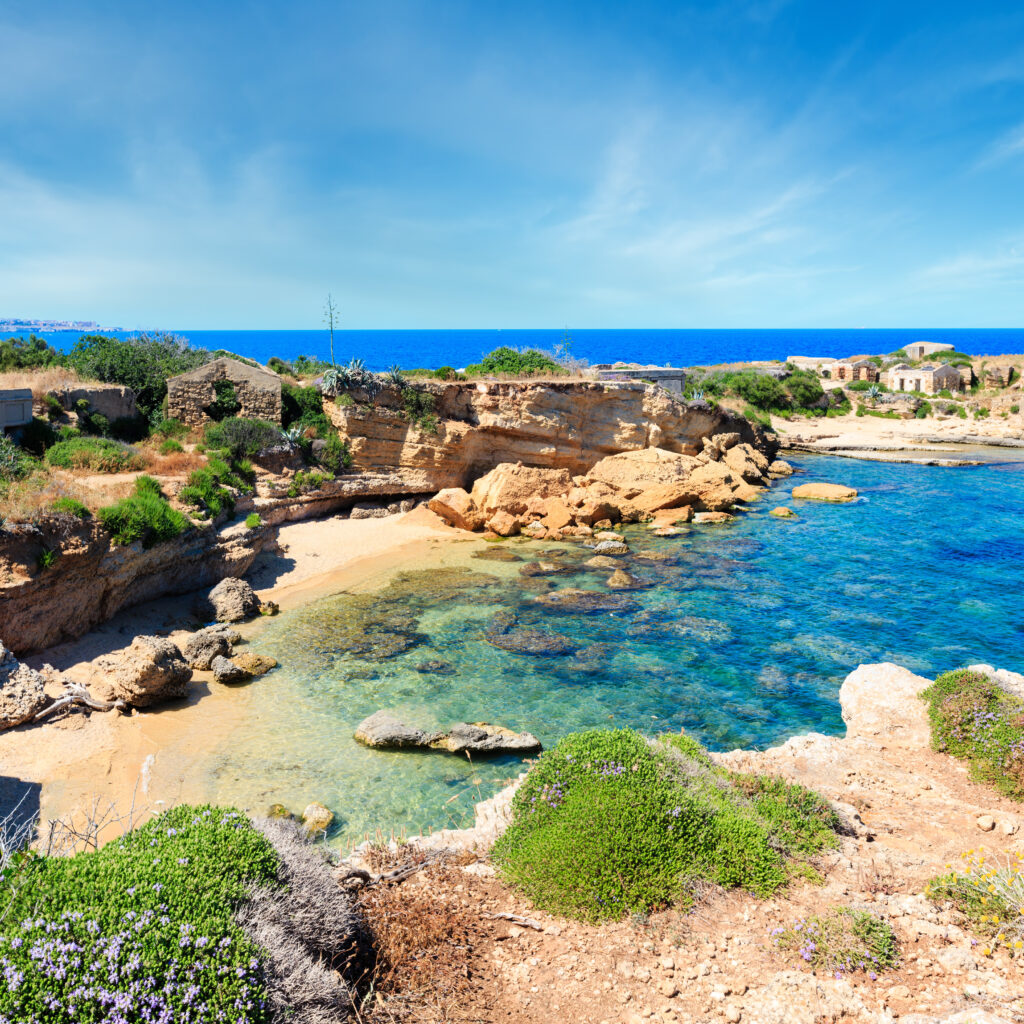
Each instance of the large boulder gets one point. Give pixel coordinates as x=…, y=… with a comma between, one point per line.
x=747, y=462
x=21, y=691
x=148, y=671
x=510, y=487
x=457, y=508
x=644, y=469
x=718, y=488
x=232, y=600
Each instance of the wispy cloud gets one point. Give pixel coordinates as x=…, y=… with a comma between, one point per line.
x=1008, y=146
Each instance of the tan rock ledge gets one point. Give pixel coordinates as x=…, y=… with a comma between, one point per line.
x=824, y=492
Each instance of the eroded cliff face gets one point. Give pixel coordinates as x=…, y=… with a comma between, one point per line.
x=91, y=580
x=562, y=425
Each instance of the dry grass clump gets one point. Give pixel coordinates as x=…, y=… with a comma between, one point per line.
x=25, y=501
x=172, y=464
x=40, y=381
x=423, y=943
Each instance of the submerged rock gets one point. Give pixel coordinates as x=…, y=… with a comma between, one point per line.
x=532, y=641
x=622, y=580
x=601, y=562
x=148, y=671
x=383, y=731
x=22, y=694
x=586, y=602
x=435, y=667
x=254, y=664
x=712, y=518
x=317, y=818
x=611, y=547
x=543, y=569
x=496, y=553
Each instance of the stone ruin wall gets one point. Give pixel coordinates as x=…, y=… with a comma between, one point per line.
x=188, y=400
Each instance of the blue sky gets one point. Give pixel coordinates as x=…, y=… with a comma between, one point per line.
x=442, y=164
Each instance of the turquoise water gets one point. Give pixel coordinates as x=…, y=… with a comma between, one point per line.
x=743, y=638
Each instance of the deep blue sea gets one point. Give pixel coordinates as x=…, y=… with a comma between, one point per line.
x=409, y=349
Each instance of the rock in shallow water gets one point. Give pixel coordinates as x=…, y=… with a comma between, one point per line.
x=226, y=671
x=824, y=492
x=532, y=641
x=383, y=730
x=254, y=664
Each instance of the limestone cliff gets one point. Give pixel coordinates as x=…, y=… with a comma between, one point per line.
x=557, y=425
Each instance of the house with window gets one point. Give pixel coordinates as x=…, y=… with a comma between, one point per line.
x=929, y=380
x=855, y=369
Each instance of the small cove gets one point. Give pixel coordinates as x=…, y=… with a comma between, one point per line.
x=742, y=638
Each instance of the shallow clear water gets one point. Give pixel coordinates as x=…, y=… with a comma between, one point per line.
x=743, y=639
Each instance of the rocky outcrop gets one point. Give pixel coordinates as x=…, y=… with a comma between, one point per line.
x=567, y=425
x=21, y=691
x=383, y=731
x=149, y=671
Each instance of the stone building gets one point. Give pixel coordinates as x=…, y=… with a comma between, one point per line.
x=672, y=378
x=15, y=408
x=855, y=369
x=921, y=349
x=258, y=391
x=927, y=379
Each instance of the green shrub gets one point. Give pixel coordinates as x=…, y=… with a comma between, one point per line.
x=305, y=481
x=418, y=404
x=129, y=428
x=345, y=401
x=279, y=366
x=95, y=453
x=170, y=446
x=962, y=413
x=71, y=506
x=1015, y=408
x=303, y=407
x=974, y=719
x=924, y=410
x=252, y=520
x=170, y=428
x=46, y=558
x=225, y=402
x=204, y=490
x=28, y=354
x=862, y=410
x=842, y=941
x=804, y=389
x=54, y=408
x=981, y=413
x=307, y=366
x=144, y=515
x=146, y=919
x=142, y=364
x=36, y=436
x=241, y=438
x=608, y=823
x=336, y=457
x=762, y=419
x=525, y=363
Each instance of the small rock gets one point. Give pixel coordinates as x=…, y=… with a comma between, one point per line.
x=601, y=562
x=622, y=580
x=22, y=694
x=383, y=730
x=611, y=547
x=1010, y=828
x=232, y=600
x=782, y=512
x=204, y=646
x=986, y=823
x=667, y=531
x=824, y=492
x=712, y=518
x=317, y=818
x=733, y=1014
x=226, y=671
x=254, y=664
x=668, y=989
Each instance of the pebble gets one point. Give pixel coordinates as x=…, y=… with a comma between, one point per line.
x=733, y=1014
x=986, y=823
x=668, y=989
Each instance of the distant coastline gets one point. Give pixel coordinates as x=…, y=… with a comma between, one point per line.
x=17, y=326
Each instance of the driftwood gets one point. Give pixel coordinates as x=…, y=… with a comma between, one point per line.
x=76, y=693
x=393, y=877
x=526, y=922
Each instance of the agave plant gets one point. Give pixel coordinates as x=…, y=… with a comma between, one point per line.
x=293, y=434
x=394, y=376
x=334, y=380
x=873, y=393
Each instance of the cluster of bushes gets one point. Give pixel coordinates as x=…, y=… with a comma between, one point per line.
x=15, y=462
x=800, y=392
x=141, y=929
x=976, y=720
x=526, y=363
x=144, y=515
x=238, y=438
x=29, y=353
x=99, y=454
x=609, y=823
x=441, y=373
x=842, y=941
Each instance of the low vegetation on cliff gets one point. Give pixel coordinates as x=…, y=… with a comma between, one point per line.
x=609, y=823
x=975, y=719
x=516, y=363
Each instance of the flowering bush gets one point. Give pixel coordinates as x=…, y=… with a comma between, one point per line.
x=975, y=719
x=609, y=823
x=991, y=895
x=842, y=941
x=140, y=930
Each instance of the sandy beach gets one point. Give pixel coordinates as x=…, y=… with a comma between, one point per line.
x=111, y=763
